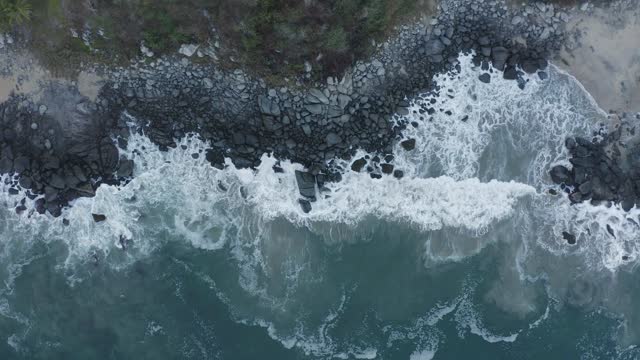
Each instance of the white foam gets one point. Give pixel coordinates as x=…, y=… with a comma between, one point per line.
x=532, y=123
x=422, y=355
x=468, y=318
x=175, y=193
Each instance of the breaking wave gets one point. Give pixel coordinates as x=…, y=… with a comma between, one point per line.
x=476, y=180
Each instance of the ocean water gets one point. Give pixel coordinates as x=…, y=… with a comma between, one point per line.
x=462, y=258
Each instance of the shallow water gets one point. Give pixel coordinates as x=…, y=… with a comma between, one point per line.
x=461, y=258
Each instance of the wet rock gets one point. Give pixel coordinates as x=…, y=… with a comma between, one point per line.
x=98, y=217
x=409, y=144
x=306, y=184
x=387, y=168
x=570, y=238
x=268, y=106
x=560, y=174
x=499, y=56
x=305, y=205
x=358, y=164
x=333, y=139
x=398, y=174
x=434, y=47
x=610, y=230
x=485, y=78
x=317, y=97
x=125, y=168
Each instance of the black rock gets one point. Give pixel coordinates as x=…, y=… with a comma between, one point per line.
x=40, y=206
x=358, y=164
x=125, y=168
x=98, y=217
x=306, y=184
x=51, y=163
x=530, y=66
x=386, y=168
x=20, y=164
x=409, y=144
x=627, y=204
x=215, y=158
x=510, y=73
x=398, y=174
x=585, y=188
x=305, y=205
x=570, y=238
x=610, y=230
x=499, y=56
x=560, y=174
x=485, y=78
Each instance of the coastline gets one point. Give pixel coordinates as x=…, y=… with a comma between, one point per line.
x=243, y=118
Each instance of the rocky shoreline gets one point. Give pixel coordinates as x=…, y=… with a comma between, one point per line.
x=66, y=148
x=604, y=169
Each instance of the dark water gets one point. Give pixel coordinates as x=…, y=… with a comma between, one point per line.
x=461, y=259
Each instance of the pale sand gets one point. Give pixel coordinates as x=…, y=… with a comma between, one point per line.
x=605, y=56
x=29, y=78
x=89, y=84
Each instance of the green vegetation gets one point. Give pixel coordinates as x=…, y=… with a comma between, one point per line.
x=275, y=34
x=161, y=31
x=273, y=37
x=336, y=40
x=14, y=12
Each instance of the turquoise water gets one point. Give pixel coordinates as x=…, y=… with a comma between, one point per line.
x=463, y=258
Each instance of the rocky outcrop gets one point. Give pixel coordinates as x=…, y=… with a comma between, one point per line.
x=242, y=117
x=605, y=169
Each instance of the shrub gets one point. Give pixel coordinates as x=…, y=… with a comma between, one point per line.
x=14, y=12
x=336, y=40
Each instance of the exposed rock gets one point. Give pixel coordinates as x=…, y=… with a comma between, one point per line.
x=560, y=174
x=268, y=107
x=305, y=205
x=306, y=184
x=409, y=144
x=434, y=47
x=485, y=78
x=358, y=164
x=570, y=238
x=98, y=217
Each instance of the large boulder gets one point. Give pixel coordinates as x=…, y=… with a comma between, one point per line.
x=268, y=107
x=560, y=174
x=434, y=47
x=306, y=184
x=499, y=56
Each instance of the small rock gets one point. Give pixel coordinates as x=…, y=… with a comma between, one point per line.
x=485, y=78
x=305, y=205
x=98, y=217
x=333, y=139
x=409, y=144
x=570, y=238
x=358, y=164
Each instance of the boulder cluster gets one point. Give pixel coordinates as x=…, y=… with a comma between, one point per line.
x=54, y=163
x=603, y=169
x=243, y=117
